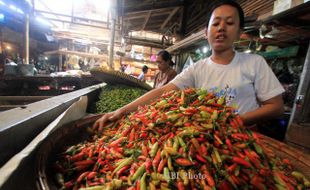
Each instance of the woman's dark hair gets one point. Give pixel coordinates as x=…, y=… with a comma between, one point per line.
x=217, y=3
x=144, y=68
x=165, y=55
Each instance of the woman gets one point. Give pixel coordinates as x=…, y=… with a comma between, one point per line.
x=166, y=73
x=245, y=79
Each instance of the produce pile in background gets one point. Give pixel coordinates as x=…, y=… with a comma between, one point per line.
x=113, y=97
x=184, y=140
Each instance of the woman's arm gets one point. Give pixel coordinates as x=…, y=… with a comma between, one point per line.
x=269, y=109
x=143, y=100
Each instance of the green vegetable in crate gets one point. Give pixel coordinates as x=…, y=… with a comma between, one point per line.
x=140, y=152
x=113, y=97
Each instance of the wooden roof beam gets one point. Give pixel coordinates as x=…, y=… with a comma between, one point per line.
x=156, y=6
x=131, y=17
x=175, y=10
x=147, y=18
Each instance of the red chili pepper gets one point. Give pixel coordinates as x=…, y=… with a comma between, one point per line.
x=235, y=179
x=195, y=102
x=188, y=124
x=223, y=151
x=256, y=180
x=117, y=142
x=153, y=140
x=141, y=157
x=201, y=159
x=161, y=165
x=216, y=105
x=116, y=154
x=233, y=124
x=216, y=144
x=204, y=150
x=156, y=159
x=201, y=139
x=94, y=183
x=82, y=176
x=76, y=157
x=69, y=184
x=191, y=151
x=143, y=135
x=148, y=164
x=133, y=168
x=130, y=145
x=239, y=121
x=196, y=145
x=81, y=167
x=240, y=155
x=241, y=161
x=154, y=114
x=180, y=185
x=244, y=177
x=121, y=171
x=119, y=149
x=231, y=168
x=126, y=131
x=286, y=161
x=183, y=162
x=101, y=180
x=225, y=186
x=218, y=139
x=91, y=175
x=84, y=162
x=254, y=160
x=138, y=185
x=208, y=176
x=204, y=185
x=144, y=151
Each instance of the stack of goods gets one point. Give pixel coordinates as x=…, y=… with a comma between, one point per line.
x=113, y=97
x=184, y=140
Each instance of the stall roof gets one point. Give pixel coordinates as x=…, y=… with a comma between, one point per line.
x=172, y=20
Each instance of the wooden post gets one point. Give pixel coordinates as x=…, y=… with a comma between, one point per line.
x=111, y=49
x=26, y=39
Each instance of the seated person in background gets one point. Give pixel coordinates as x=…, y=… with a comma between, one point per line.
x=166, y=73
x=144, y=71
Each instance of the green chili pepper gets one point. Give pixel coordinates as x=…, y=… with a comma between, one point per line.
x=123, y=163
x=143, y=182
x=166, y=174
x=138, y=173
x=154, y=150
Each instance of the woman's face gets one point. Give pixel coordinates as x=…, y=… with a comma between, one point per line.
x=162, y=64
x=223, y=28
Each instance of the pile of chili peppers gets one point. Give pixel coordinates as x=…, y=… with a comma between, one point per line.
x=184, y=140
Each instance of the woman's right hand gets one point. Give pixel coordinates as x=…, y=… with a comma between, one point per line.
x=111, y=116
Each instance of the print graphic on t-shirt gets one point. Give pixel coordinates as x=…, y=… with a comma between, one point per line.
x=229, y=93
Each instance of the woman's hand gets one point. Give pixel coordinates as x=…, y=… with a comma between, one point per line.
x=111, y=116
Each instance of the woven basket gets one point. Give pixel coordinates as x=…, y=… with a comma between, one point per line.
x=70, y=134
x=116, y=77
x=299, y=159
x=76, y=132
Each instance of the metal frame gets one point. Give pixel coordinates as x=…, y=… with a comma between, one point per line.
x=301, y=105
x=20, y=125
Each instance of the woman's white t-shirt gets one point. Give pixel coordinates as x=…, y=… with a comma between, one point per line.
x=246, y=80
